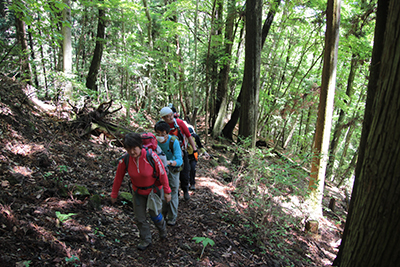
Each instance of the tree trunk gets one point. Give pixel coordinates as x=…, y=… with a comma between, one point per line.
x=98, y=52
x=375, y=70
x=194, y=108
x=147, y=87
x=292, y=129
x=347, y=140
x=227, y=131
x=67, y=48
x=25, y=69
x=208, y=83
x=223, y=84
x=325, y=110
x=34, y=69
x=372, y=228
x=337, y=133
x=251, y=77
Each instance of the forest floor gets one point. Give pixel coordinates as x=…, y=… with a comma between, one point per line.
x=42, y=163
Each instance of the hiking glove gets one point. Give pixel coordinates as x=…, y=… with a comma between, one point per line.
x=196, y=155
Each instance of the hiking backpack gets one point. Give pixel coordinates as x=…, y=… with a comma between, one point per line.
x=182, y=139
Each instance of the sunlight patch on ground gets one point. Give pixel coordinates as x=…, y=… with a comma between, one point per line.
x=215, y=186
x=19, y=148
x=55, y=203
x=5, y=110
x=25, y=171
x=291, y=204
x=111, y=210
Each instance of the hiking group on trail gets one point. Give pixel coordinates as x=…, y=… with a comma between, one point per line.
x=156, y=166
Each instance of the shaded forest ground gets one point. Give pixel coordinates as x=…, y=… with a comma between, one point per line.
x=43, y=163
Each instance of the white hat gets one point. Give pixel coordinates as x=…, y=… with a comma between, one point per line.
x=165, y=111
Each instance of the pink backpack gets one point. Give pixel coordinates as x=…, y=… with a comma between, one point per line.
x=149, y=141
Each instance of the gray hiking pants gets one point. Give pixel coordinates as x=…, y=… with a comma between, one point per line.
x=140, y=206
x=170, y=211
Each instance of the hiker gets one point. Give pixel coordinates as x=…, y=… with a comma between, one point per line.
x=179, y=129
x=169, y=144
x=192, y=159
x=176, y=114
x=144, y=184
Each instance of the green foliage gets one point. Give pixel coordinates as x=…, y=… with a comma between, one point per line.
x=81, y=191
x=127, y=196
x=98, y=232
x=73, y=259
x=266, y=184
x=204, y=241
x=62, y=168
x=26, y=263
x=64, y=217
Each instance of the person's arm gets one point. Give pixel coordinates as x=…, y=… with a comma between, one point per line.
x=197, y=140
x=192, y=143
x=177, y=158
x=185, y=131
x=162, y=174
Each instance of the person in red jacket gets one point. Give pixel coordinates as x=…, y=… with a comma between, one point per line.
x=141, y=174
x=179, y=128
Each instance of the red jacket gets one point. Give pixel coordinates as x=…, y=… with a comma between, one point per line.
x=141, y=175
x=184, y=130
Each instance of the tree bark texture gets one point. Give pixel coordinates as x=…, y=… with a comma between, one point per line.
x=375, y=70
x=25, y=69
x=67, y=49
x=98, y=52
x=325, y=110
x=227, y=131
x=223, y=85
x=251, y=82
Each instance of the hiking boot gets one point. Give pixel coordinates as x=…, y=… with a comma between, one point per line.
x=143, y=245
x=192, y=187
x=186, y=195
x=171, y=222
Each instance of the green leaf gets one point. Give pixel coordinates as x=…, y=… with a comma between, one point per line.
x=64, y=217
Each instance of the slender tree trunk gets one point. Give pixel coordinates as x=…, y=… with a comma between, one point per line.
x=339, y=125
x=91, y=80
x=67, y=49
x=147, y=88
x=325, y=110
x=292, y=129
x=25, y=69
x=208, y=83
x=34, y=69
x=347, y=140
x=194, y=108
x=223, y=84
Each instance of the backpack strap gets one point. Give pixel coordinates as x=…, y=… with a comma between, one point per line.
x=126, y=160
x=180, y=135
x=171, y=142
x=150, y=159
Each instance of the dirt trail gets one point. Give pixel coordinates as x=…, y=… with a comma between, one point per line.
x=42, y=164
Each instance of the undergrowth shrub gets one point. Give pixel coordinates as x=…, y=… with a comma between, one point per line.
x=269, y=191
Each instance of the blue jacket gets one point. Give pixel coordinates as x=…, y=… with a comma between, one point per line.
x=176, y=154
